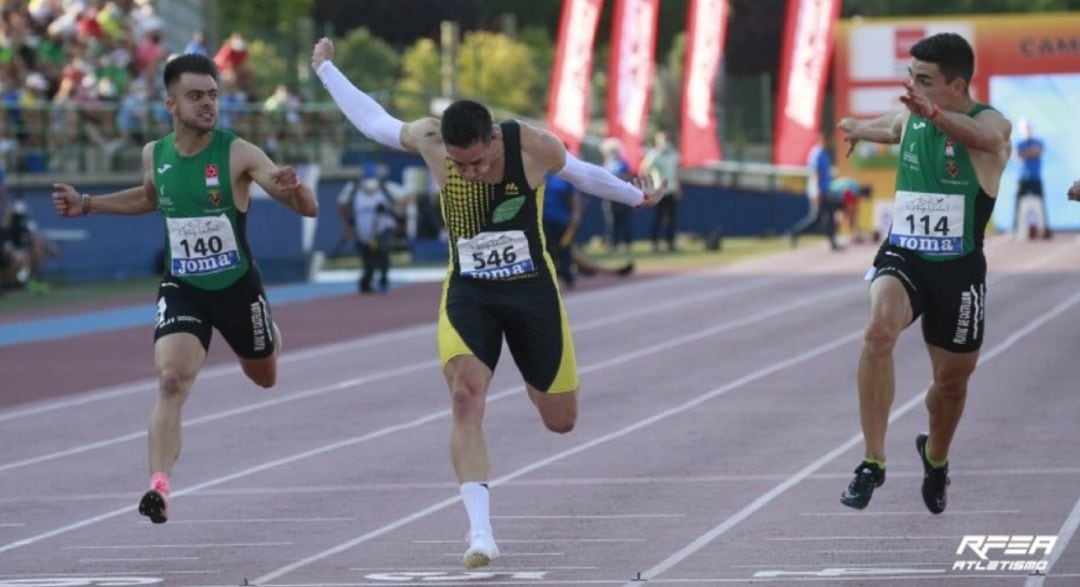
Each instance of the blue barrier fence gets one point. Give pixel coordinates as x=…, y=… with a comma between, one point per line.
x=101, y=247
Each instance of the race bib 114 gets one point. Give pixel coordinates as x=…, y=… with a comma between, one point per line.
x=932, y=224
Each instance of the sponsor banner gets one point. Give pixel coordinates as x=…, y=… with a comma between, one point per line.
x=630, y=76
x=568, y=102
x=807, y=47
x=707, y=29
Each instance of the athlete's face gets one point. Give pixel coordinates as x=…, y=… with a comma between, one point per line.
x=475, y=161
x=927, y=77
x=193, y=101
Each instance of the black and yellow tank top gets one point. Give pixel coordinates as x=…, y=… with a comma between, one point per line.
x=495, y=228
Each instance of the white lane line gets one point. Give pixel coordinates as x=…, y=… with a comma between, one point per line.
x=827, y=295
x=256, y=521
x=138, y=560
x=588, y=517
x=759, y=503
x=916, y=513
x=538, y=540
x=199, y=545
x=820, y=538
x=286, y=398
x=759, y=374
x=348, y=346
x=1065, y=535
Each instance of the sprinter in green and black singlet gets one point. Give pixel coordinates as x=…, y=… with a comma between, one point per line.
x=952, y=153
x=501, y=279
x=199, y=178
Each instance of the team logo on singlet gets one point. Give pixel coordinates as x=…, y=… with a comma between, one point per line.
x=212, y=180
x=214, y=197
x=952, y=168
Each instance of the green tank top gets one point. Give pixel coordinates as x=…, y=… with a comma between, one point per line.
x=206, y=244
x=495, y=229
x=940, y=211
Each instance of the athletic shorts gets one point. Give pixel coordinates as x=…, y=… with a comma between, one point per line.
x=950, y=296
x=475, y=315
x=239, y=312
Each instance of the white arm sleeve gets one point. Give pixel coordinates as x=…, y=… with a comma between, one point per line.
x=365, y=114
x=598, y=181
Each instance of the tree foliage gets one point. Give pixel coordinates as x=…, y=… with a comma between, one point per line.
x=367, y=60
x=419, y=81
x=498, y=71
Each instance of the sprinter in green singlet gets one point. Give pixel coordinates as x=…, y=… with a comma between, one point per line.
x=952, y=153
x=500, y=282
x=199, y=178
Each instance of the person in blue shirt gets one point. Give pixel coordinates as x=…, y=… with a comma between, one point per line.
x=823, y=201
x=1030, y=150
x=562, y=216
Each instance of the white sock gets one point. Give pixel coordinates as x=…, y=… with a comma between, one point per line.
x=477, y=500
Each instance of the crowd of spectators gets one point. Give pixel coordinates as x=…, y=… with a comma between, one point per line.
x=82, y=78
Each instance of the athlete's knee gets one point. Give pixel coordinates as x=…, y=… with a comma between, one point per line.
x=262, y=372
x=559, y=412
x=174, y=383
x=467, y=395
x=881, y=335
x=562, y=423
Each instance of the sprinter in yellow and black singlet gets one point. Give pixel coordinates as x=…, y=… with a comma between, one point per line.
x=501, y=282
x=501, y=279
x=199, y=178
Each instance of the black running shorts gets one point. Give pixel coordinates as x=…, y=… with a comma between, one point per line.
x=949, y=295
x=240, y=313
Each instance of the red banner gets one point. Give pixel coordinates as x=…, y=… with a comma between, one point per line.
x=568, y=102
x=707, y=26
x=630, y=75
x=808, y=44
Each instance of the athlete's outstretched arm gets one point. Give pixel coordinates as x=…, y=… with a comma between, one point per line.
x=282, y=184
x=136, y=200
x=589, y=178
x=887, y=129
x=362, y=111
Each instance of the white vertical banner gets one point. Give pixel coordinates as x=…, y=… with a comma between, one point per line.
x=568, y=100
x=804, y=66
x=707, y=30
x=630, y=78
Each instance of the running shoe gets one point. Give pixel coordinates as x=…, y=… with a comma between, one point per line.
x=482, y=550
x=868, y=477
x=935, y=479
x=155, y=505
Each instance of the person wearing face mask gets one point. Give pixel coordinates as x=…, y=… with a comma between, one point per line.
x=953, y=151
x=370, y=222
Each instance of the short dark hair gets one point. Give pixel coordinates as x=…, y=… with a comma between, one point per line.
x=189, y=63
x=951, y=52
x=464, y=122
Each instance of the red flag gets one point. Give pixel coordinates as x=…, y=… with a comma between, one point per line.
x=630, y=74
x=808, y=45
x=707, y=26
x=568, y=102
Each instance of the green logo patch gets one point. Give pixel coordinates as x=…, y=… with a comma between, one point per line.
x=507, y=209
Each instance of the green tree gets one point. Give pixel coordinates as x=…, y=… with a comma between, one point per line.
x=498, y=71
x=419, y=81
x=367, y=60
x=269, y=67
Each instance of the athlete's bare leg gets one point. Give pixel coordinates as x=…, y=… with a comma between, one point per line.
x=890, y=313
